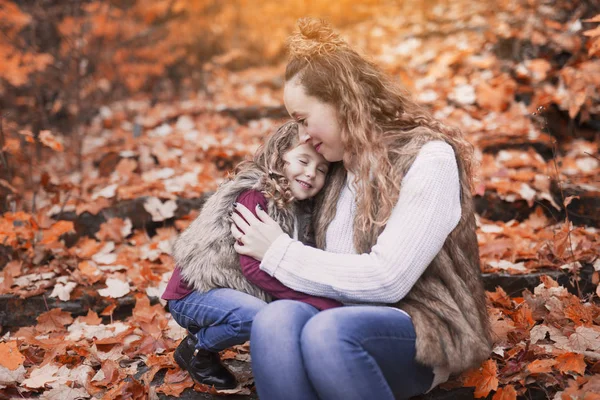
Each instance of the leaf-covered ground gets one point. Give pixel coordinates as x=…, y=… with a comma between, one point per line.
x=520, y=78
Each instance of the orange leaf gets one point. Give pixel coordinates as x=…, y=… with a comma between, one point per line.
x=500, y=297
x=541, y=366
x=59, y=228
x=571, y=362
x=89, y=271
x=176, y=381
x=483, y=379
x=53, y=320
x=10, y=357
x=91, y=318
x=507, y=392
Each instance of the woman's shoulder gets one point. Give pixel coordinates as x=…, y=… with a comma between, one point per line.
x=438, y=148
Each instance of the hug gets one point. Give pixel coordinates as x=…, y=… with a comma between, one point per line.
x=345, y=250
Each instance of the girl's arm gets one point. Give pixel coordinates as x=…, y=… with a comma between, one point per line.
x=251, y=267
x=428, y=209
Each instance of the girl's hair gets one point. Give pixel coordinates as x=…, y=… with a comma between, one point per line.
x=379, y=123
x=269, y=159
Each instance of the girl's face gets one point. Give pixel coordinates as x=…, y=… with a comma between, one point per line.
x=318, y=121
x=306, y=170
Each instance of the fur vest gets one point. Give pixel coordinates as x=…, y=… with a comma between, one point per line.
x=447, y=304
x=204, y=251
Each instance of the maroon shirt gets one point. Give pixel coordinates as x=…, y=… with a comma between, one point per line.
x=177, y=288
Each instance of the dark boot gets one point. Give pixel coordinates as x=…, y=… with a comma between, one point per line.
x=204, y=366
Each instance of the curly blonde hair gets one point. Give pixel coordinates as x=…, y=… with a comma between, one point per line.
x=269, y=159
x=380, y=124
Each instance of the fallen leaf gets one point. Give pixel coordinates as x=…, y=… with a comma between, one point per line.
x=41, y=376
x=63, y=291
x=484, y=378
x=53, y=320
x=571, y=362
x=56, y=230
x=10, y=357
x=10, y=377
x=160, y=211
x=115, y=288
x=507, y=392
x=65, y=393
x=541, y=366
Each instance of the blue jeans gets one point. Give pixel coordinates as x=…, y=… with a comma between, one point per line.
x=355, y=352
x=219, y=318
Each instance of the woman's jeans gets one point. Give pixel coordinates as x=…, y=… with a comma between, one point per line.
x=355, y=352
x=219, y=318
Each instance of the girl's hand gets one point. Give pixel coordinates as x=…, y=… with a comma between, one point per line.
x=256, y=235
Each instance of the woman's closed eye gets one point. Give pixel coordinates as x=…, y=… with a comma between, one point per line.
x=303, y=162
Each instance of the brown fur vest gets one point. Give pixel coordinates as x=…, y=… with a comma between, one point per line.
x=204, y=251
x=447, y=304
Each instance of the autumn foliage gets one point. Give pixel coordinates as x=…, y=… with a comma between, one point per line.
x=118, y=117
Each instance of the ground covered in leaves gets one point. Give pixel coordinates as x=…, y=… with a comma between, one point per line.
x=91, y=245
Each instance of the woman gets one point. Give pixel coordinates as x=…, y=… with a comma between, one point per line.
x=397, y=226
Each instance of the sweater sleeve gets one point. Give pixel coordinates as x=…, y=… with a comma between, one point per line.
x=251, y=270
x=428, y=209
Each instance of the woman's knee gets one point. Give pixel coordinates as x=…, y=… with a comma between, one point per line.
x=328, y=332
x=281, y=316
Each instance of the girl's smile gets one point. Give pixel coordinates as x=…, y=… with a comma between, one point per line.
x=306, y=170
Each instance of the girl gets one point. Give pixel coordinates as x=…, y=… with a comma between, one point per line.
x=208, y=293
x=397, y=225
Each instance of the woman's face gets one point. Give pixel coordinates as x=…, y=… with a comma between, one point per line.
x=318, y=121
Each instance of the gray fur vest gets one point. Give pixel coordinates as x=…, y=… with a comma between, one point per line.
x=204, y=251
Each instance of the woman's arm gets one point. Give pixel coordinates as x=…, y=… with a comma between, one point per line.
x=251, y=267
x=428, y=209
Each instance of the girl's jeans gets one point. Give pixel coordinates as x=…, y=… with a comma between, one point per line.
x=219, y=318
x=356, y=352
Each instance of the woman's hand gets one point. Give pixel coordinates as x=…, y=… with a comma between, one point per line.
x=255, y=235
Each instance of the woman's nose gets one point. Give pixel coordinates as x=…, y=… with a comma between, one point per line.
x=303, y=135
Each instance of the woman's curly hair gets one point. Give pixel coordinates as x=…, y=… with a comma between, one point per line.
x=269, y=159
x=380, y=124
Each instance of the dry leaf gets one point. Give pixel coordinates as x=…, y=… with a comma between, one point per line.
x=115, y=288
x=571, y=362
x=484, y=379
x=160, y=211
x=507, y=392
x=10, y=357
